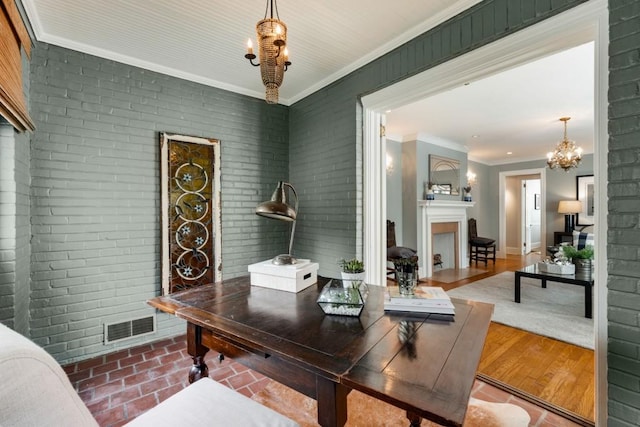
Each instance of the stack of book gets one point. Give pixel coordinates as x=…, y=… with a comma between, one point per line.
x=426, y=299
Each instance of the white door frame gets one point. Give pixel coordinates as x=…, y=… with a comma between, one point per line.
x=581, y=24
x=527, y=201
x=502, y=216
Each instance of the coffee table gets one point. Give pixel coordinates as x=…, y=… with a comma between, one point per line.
x=534, y=272
x=422, y=363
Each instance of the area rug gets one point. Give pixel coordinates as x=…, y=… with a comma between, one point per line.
x=556, y=312
x=451, y=275
x=366, y=411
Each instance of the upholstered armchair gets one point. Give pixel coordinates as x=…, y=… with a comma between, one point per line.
x=36, y=392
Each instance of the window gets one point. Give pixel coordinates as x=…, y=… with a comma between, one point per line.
x=13, y=38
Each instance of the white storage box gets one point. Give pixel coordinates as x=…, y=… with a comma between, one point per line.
x=556, y=268
x=290, y=278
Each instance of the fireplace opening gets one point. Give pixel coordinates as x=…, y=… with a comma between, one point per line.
x=442, y=217
x=445, y=243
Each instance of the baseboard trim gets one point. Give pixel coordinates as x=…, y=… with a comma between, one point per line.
x=536, y=400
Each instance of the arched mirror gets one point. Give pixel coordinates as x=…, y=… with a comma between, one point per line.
x=444, y=175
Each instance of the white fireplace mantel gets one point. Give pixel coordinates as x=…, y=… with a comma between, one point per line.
x=439, y=211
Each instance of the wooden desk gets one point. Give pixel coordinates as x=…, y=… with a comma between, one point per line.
x=421, y=363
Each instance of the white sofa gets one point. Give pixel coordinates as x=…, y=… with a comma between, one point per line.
x=36, y=392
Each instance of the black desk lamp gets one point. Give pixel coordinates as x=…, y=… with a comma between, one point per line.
x=278, y=208
x=568, y=208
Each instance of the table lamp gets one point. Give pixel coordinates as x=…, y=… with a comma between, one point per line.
x=568, y=208
x=278, y=208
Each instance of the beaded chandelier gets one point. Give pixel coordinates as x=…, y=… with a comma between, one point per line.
x=566, y=154
x=272, y=47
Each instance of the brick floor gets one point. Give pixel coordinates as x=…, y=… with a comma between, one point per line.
x=120, y=386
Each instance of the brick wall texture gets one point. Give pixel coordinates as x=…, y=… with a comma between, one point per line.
x=7, y=225
x=624, y=213
x=95, y=206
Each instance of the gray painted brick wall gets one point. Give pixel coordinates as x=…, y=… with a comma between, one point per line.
x=23, y=232
x=95, y=202
x=15, y=231
x=22, y=162
x=624, y=214
x=7, y=224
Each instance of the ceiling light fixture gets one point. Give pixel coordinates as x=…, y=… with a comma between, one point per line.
x=566, y=154
x=271, y=34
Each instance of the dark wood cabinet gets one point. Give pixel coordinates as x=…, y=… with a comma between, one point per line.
x=562, y=237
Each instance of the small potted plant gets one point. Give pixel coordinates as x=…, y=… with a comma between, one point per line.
x=352, y=272
x=582, y=258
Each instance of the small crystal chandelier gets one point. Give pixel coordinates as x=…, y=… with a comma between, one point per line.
x=272, y=46
x=566, y=154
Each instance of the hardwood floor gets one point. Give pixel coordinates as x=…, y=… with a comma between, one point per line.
x=558, y=373
x=529, y=365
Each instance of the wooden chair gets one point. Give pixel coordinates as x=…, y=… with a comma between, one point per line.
x=396, y=252
x=480, y=248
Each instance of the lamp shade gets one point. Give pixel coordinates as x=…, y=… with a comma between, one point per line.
x=569, y=206
x=276, y=210
x=277, y=207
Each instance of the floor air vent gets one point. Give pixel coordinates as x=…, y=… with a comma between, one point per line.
x=130, y=328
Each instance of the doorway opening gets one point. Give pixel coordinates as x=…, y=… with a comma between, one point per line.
x=531, y=224
x=514, y=227
x=584, y=23
x=523, y=214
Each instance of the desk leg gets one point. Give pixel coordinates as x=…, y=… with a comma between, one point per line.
x=197, y=351
x=544, y=283
x=332, y=403
x=588, y=301
x=517, y=285
x=414, y=419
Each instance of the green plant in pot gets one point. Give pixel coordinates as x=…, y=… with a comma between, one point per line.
x=352, y=272
x=582, y=258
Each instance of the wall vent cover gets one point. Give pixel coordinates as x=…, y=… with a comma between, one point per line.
x=129, y=329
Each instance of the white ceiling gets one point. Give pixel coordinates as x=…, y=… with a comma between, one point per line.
x=204, y=41
x=511, y=116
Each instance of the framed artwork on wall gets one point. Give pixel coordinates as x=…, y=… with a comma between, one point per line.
x=585, y=193
x=191, y=221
